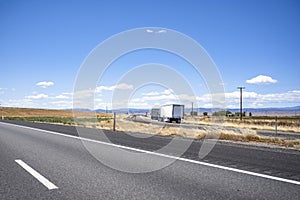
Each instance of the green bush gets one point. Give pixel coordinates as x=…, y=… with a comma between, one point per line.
x=222, y=113
x=59, y=120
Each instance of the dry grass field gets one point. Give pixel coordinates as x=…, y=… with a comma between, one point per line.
x=230, y=130
x=285, y=124
x=30, y=112
x=206, y=132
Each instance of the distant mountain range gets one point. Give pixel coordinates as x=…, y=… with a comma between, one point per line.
x=295, y=108
x=269, y=111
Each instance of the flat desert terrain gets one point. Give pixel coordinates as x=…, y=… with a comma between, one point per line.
x=230, y=129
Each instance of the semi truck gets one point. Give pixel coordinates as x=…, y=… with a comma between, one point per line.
x=171, y=113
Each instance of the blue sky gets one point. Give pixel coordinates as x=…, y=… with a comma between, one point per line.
x=253, y=44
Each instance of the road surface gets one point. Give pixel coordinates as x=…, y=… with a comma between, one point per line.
x=230, y=171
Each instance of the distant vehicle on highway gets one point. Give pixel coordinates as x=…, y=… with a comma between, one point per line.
x=168, y=113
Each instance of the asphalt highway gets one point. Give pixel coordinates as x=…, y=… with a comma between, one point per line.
x=229, y=171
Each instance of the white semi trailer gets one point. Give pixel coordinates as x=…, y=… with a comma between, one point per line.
x=171, y=113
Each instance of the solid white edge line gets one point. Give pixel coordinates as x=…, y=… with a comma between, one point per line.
x=165, y=155
x=36, y=175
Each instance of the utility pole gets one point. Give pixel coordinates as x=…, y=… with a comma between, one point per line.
x=1, y=112
x=192, y=109
x=276, y=124
x=114, y=125
x=241, y=101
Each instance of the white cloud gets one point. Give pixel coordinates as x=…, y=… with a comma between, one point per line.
x=61, y=104
x=68, y=93
x=290, y=96
x=158, y=31
x=45, y=84
x=232, y=99
x=261, y=79
x=160, y=97
x=101, y=88
x=164, y=97
x=149, y=31
x=122, y=86
x=38, y=96
x=138, y=105
x=82, y=97
x=167, y=91
x=208, y=105
x=150, y=94
x=253, y=99
x=236, y=95
x=161, y=31
x=98, y=100
x=61, y=97
x=21, y=103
